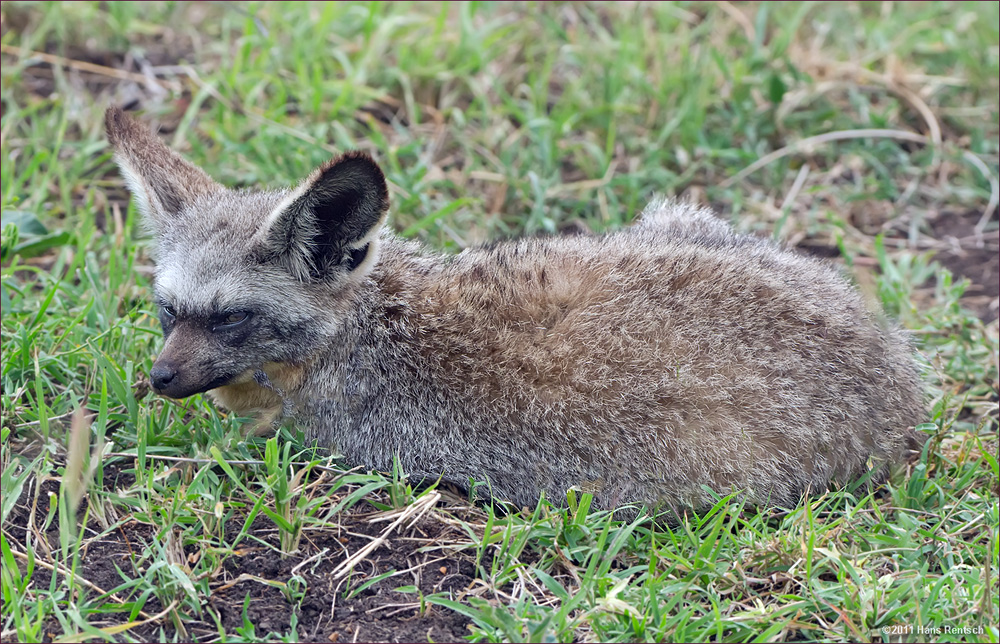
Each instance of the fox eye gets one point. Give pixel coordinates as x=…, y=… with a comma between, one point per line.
x=233, y=320
x=169, y=311
x=236, y=318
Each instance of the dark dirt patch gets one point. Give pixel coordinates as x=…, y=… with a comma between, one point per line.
x=964, y=253
x=377, y=613
x=253, y=583
x=966, y=258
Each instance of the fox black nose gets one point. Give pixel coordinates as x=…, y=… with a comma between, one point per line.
x=162, y=375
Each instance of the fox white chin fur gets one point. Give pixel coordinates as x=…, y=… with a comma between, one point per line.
x=646, y=366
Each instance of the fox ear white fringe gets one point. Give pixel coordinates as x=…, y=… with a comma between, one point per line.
x=163, y=183
x=339, y=209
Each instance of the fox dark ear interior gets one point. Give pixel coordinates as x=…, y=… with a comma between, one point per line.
x=348, y=199
x=333, y=219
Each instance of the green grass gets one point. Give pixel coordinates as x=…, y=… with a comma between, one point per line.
x=490, y=120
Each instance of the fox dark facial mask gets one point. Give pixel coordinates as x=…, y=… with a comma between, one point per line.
x=238, y=272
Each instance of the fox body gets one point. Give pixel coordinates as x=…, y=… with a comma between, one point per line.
x=643, y=366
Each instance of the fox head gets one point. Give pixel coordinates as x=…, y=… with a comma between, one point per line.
x=245, y=278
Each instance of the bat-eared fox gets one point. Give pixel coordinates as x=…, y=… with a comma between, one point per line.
x=650, y=366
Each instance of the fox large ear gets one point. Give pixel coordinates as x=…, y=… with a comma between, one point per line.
x=330, y=223
x=161, y=181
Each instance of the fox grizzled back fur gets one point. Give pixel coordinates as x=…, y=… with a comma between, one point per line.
x=643, y=366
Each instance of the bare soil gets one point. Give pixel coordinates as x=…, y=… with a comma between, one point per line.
x=249, y=587
x=971, y=257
